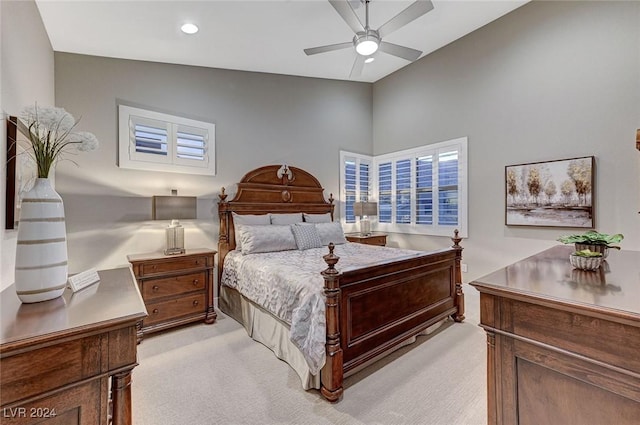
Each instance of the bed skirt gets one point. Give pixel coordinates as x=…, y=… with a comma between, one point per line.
x=273, y=333
x=268, y=330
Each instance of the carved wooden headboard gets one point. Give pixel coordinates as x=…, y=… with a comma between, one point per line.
x=269, y=189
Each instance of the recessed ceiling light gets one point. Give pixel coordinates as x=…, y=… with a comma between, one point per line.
x=189, y=28
x=369, y=60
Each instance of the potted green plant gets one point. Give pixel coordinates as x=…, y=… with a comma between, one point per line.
x=593, y=241
x=586, y=259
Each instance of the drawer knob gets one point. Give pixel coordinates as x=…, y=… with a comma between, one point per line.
x=195, y=303
x=195, y=282
x=155, y=288
x=197, y=262
x=155, y=311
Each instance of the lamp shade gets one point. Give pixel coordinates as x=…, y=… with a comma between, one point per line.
x=174, y=207
x=365, y=208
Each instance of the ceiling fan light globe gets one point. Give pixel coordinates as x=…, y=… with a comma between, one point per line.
x=366, y=47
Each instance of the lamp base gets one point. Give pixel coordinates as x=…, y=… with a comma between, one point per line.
x=174, y=251
x=365, y=226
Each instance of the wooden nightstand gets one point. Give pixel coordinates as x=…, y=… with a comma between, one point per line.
x=372, y=239
x=177, y=289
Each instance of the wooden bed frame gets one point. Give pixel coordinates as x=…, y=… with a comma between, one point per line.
x=368, y=311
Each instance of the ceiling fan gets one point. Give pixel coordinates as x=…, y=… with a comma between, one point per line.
x=367, y=41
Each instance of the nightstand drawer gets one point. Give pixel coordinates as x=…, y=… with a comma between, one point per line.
x=375, y=240
x=177, y=264
x=175, y=308
x=157, y=288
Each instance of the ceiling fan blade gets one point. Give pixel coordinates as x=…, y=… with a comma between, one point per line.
x=412, y=12
x=400, y=51
x=328, y=48
x=347, y=13
x=356, y=70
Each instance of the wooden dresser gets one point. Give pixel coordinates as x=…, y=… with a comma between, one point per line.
x=57, y=356
x=563, y=344
x=177, y=289
x=374, y=238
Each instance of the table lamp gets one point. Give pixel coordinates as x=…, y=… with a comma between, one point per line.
x=364, y=210
x=174, y=208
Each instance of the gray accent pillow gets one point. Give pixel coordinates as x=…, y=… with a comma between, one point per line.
x=272, y=238
x=286, y=218
x=317, y=218
x=306, y=236
x=331, y=232
x=241, y=219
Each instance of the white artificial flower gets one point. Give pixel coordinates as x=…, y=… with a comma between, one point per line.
x=88, y=141
x=51, y=135
x=49, y=118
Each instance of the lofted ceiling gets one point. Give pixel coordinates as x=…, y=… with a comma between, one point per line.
x=262, y=35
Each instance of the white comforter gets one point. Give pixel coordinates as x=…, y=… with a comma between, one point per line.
x=289, y=285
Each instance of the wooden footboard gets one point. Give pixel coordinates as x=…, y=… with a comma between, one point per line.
x=370, y=311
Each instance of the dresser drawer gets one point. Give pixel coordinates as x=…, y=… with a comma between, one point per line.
x=178, y=307
x=43, y=370
x=157, y=288
x=178, y=264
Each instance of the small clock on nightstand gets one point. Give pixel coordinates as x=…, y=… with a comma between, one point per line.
x=374, y=238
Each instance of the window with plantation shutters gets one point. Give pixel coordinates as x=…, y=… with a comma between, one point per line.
x=355, y=183
x=421, y=190
x=155, y=141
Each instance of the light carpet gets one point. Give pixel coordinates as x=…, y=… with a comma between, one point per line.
x=216, y=374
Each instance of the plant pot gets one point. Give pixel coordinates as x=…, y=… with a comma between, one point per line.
x=602, y=249
x=41, y=253
x=585, y=263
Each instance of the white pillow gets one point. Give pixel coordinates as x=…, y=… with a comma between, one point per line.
x=282, y=219
x=331, y=232
x=306, y=236
x=241, y=219
x=317, y=218
x=266, y=239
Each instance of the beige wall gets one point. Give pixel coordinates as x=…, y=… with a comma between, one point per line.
x=260, y=119
x=550, y=80
x=27, y=74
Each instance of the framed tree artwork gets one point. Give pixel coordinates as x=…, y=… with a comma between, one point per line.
x=557, y=193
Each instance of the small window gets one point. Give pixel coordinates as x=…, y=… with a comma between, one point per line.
x=156, y=141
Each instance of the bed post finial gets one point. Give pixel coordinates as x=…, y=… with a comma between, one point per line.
x=332, y=372
x=222, y=195
x=331, y=198
x=459, y=297
x=456, y=240
x=331, y=259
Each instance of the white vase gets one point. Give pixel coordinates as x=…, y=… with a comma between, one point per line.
x=41, y=254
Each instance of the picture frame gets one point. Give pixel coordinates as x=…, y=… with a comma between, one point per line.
x=558, y=193
x=21, y=170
